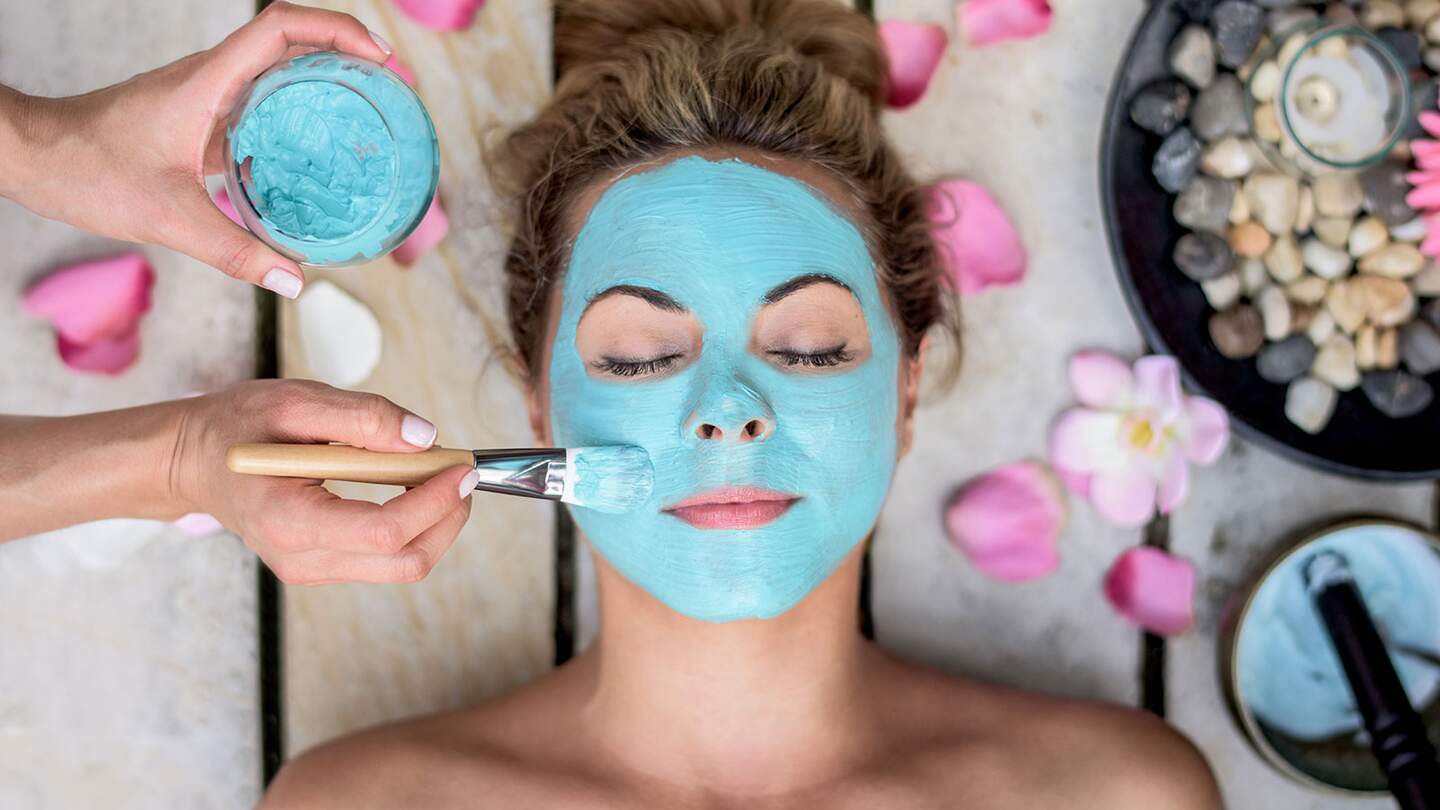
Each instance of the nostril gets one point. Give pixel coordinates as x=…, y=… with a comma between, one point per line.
x=708, y=431
x=755, y=429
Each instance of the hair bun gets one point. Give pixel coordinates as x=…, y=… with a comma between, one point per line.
x=841, y=40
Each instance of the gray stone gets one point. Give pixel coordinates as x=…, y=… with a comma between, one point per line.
x=1204, y=205
x=1176, y=160
x=1426, y=96
x=1197, y=10
x=1202, y=256
x=1309, y=403
x=1385, y=188
x=1160, y=106
x=1219, y=109
x=1237, y=332
x=1431, y=313
x=1192, y=56
x=1284, y=361
x=1280, y=20
x=1407, y=45
x=1420, y=347
x=1238, y=26
x=1395, y=393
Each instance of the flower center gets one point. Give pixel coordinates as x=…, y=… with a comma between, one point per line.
x=1142, y=434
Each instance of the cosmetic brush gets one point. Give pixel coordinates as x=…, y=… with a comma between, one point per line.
x=1397, y=733
x=607, y=479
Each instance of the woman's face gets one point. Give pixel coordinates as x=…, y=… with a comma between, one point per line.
x=726, y=318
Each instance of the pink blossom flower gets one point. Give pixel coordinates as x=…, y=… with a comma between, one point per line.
x=96, y=309
x=1008, y=521
x=441, y=15
x=431, y=230
x=1425, y=195
x=978, y=245
x=989, y=21
x=1153, y=589
x=1129, y=446
x=913, y=51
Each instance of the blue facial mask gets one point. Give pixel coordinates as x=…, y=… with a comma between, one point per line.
x=716, y=236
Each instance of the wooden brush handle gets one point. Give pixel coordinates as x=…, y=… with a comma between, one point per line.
x=337, y=462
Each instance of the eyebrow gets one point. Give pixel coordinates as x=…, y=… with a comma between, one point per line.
x=653, y=297
x=799, y=283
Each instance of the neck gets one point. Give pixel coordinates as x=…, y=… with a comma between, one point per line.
x=743, y=708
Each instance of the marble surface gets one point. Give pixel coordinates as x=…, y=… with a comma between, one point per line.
x=128, y=649
x=481, y=623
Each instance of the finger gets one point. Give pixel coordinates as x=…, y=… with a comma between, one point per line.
x=339, y=524
x=315, y=412
x=198, y=229
x=264, y=41
x=411, y=564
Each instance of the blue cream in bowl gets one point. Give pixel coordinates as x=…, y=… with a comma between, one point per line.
x=331, y=159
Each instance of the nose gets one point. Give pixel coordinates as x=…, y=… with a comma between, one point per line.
x=731, y=411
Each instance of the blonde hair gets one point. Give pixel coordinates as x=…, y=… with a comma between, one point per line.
x=797, y=79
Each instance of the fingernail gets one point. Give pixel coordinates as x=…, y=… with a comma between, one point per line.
x=380, y=41
x=281, y=282
x=467, y=484
x=417, y=431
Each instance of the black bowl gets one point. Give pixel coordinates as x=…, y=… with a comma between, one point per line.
x=1173, y=313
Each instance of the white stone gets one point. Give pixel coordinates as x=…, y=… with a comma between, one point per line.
x=1338, y=195
x=1333, y=231
x=1265, y=81
x=1252, y=276
x=1347, y=303
x=1230, y=158
x=1309, y=403
x=1321, y=327
x=340, y=335
x=1365, y=348
x=1308, y=289
x=1274, y=200
x=1283, y=260
x=1419, y=12
x=1368, y=236
x=1412, y=231
x=1335, y=363
x=1239, y=210
x=1274, y=312
x=1222, y=291
x=1432, y=30
x=1427, y=281
x=1397, y=260
x=1377, y=14
x=1305, y=216
x=1267, y=123
x=1325, y=261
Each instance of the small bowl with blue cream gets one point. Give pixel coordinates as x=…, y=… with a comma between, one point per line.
x=330, y=159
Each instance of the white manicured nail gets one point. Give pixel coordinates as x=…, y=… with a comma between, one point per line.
x=281, y=282
x=467, y=484
x=384, y=46
x=417, y=431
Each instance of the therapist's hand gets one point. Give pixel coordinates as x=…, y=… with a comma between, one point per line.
x=303, y=532
x=129, y=161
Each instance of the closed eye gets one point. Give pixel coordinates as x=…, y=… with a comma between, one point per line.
x=626, y=367
x=823, y=359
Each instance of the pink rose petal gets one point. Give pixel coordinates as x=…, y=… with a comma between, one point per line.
x=94, y=301
x=432, y=228
x=1008, y=521
x=1153, y=590
x=1124, y=497
x=990, y=21
x=198, y=524
x=913, y=51
x=977, y=242
x=1085, y=441
x=105, y=356
x=1430, y=120
x=1157, y=386
x=441, y=15
x=222, y=201
x=400, y=69
x=1101, y=380
x=1208, y=431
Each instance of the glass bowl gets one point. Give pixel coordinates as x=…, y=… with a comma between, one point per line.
x=1342, y=102
x=330, y=159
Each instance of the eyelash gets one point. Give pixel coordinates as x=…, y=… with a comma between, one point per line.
x=825, y=359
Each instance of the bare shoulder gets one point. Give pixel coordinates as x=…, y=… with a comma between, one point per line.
x=1005, y=745
x=489, y=755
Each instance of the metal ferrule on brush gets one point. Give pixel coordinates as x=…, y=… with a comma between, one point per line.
x=528, y=472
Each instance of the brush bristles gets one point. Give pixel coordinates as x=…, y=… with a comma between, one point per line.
x=608, y=479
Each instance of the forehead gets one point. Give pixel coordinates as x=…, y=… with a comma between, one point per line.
x=694, y=224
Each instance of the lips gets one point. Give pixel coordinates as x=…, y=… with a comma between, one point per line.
x=733, y=508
